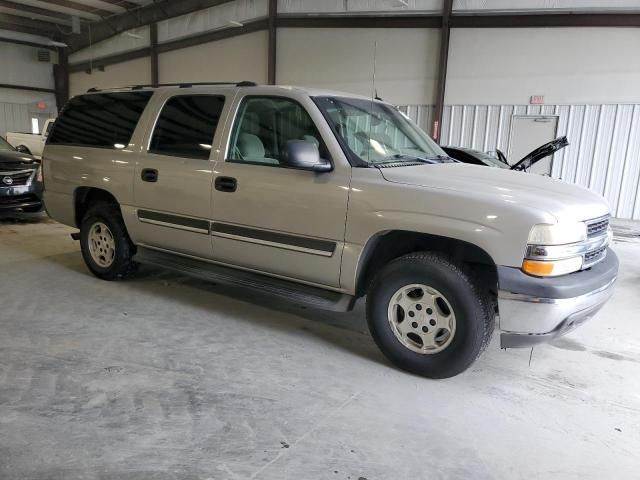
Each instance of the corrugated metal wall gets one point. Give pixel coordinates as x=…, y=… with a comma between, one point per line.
x=604, y=150
x=14, y=117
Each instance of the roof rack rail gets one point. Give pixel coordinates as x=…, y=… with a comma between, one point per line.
x=243, y=83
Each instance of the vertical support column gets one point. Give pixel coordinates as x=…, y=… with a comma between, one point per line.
x=271, y=58
x=442, y=70
x=61, y=78
x=153, y=53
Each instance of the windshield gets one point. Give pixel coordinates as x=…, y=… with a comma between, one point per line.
x=4, y=145
x=377, y=134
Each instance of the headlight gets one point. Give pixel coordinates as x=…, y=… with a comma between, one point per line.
x=555, y=250
x=39, y=177
x=558, y=234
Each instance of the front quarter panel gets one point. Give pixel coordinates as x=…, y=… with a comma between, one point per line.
x=481, y=218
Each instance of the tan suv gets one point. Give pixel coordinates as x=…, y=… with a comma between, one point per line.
x=320, y=198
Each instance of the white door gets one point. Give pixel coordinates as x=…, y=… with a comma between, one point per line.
x=527, y=134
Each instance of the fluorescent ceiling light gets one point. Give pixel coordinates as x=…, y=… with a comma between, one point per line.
x=235, y=23
x=53, y=43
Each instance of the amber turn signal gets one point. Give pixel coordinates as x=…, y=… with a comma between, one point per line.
x=551, y=268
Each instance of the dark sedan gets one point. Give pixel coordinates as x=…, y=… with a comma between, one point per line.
x=20, y=181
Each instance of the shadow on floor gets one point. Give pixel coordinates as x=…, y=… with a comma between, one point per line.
x=19, y=218
x=347, y=330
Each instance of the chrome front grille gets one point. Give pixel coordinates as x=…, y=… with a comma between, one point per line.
x=15, y=178
x=597, y=226
x=594, y=256
x=597, y=241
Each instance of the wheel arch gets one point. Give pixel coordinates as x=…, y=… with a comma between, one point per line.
x=84, y=197
x=386, y=246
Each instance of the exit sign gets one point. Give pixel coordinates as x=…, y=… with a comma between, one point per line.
x=536, y=99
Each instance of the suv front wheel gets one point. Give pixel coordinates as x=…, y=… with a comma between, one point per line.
x=106, y=247
x=427, y=316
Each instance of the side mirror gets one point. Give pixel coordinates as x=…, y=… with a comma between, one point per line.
x=306, y=156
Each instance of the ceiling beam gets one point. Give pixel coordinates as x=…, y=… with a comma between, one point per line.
x=153, y=52
x=35, y=16
x=359, y=21
x=127, y=4
x=110, y=7
x=152, y=13
x=89, y=65
x=61, y=78
x=17, y=28
x=445, y=33
x=41, y=28
x=546, y=20
x=28, y=10
x=69, y=8
x=271, y=47
x=199, y=39
x=27, y=43
x=30, y=89
x=137, y=2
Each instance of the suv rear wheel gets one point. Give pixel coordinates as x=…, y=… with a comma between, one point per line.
x=106, y=247
x=427, y=316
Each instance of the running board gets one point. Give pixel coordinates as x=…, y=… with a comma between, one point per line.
x=296, y=293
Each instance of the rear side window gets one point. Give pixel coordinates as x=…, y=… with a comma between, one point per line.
x=105, y=120
x=186, y=126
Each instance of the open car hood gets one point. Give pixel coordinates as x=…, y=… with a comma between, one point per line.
x=541, y=152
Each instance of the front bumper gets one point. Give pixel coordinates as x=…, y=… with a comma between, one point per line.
x=21, y=198
x=535, y=310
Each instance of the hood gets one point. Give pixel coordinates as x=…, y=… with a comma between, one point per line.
x=11, y=160
x=563, y=201
x=541, y=152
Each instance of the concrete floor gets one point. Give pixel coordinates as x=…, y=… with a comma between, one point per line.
x=166, y=377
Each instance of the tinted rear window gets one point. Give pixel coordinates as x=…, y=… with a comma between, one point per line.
x=186, y=126
x=105, y=120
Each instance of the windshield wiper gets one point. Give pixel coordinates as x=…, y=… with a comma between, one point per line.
x=395, y=158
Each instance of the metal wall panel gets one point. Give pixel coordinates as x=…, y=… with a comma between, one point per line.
x=604, y=150
x=14, y=117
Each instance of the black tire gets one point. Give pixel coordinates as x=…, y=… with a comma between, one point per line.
x=122, y=265
x=474, y=316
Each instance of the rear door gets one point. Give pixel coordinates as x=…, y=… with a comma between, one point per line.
x=275, y=219
x=173, y=178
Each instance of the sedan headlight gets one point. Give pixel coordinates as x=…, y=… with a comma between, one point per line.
x=39, y=177
x=555, y=250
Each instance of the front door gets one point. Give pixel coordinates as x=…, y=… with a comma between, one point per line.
x=275, y=219
x=173, y=180
x=528, y=133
